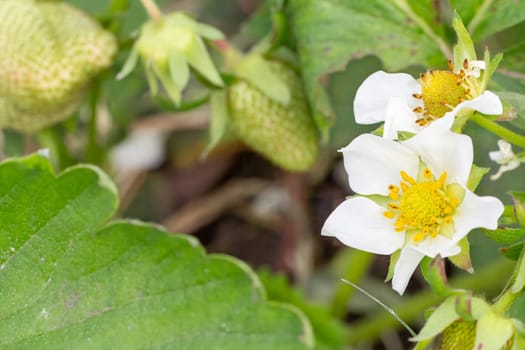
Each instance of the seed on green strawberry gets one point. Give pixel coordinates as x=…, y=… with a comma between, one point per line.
x=283, y=133
x=49, y=53
x=459, y=335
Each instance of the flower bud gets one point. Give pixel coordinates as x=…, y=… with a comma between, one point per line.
x=169, y=46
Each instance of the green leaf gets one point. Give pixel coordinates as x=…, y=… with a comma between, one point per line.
x=512, y=251
x=505, y=235
x=493, y=16
x=69, y=280
x=329, y=33
x=329, y=332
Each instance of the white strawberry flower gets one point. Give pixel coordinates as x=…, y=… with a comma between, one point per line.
x=407, y=104
x=505, y=157
x=412, y=197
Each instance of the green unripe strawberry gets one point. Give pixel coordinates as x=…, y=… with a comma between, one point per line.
x=459, y=335
x=284, y=133
x=49, y=52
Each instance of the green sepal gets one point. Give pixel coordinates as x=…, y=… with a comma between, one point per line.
x=493, y=331
x=512, y=251
x=404, y=135
x=169, y=85
x=149, y=69
x=423, y=344
x=378, y=199
x=208, y=32
x=518, y=342
x=219, y=118
x=200, y=60
x=463, y=306
x=490, y=67
x=505, y=235
x=519, y=274
x=519, y=207
x=254, y=69
x=129, y=65
x=464, y=47
x=475, y=176
x=462, y=260
x=433, y=271
x=394, y=257
x=442, y=316
x=379, y=131
x=508, y=217
x=461, y=119
x=179, y=70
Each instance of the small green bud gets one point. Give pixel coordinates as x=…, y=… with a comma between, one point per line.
x=169, y=46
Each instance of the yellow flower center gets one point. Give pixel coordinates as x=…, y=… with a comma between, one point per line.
x=443, y=90
x=424, y=208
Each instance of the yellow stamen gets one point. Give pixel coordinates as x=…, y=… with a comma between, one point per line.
x=423, y=206
x=407, y=178
x=389, y=214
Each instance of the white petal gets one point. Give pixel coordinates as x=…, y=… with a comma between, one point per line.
x=476, y=211
x=358, y=222
x=399, y=117
x=486, y=103
x=405, y=267
x=438, y=245
x=371, y=99
x=373, y=163
x=444, y=122
x=497, y=156
x=443, y=150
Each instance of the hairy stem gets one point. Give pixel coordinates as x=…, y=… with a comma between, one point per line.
x=152, y=9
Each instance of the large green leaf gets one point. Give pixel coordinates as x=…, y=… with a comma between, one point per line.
x=329, y=33
x=492, y=16
x=69, y=280
x=329, y=331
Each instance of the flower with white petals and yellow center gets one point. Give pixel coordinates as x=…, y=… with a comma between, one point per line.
x=412, y=197
x=405, y=104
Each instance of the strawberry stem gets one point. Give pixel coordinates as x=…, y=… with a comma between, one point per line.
x=152, y=9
